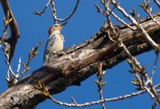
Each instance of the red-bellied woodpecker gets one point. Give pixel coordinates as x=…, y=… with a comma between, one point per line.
x=55, y=41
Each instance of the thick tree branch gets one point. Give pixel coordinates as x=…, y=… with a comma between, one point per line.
x=13, y=28
x=76, y=64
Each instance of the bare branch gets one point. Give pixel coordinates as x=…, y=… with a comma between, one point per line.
x=43, y=11
x=145, y=7
x=13, y=28
x=6, y=21
x=68, y=17
x=153, y=93
x=100, y=84
x=14, y=77
x=19, y=65
x=157, y=3
x=155, y=63
x=154, y=105
x=106, y=6
x=53, y=9
x=100, y=101
x=114, y=15
x=74, y=101
x=135, y=23
x=33, y=52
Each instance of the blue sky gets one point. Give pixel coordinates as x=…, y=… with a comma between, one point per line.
x=80, y=27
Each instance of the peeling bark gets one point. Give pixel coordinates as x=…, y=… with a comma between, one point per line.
x=76, y=64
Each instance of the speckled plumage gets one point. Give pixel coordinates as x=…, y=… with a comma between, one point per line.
x=54, y=43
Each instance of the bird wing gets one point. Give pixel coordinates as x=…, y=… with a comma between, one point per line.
x=49, y=44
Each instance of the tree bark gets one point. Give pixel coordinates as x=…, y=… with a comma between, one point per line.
x=76, y=64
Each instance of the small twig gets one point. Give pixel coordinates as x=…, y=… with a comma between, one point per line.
x=36, y=12
x=153, y=93
x=148, y=38
x=74, y=101
x=33, y=52
x=6, y=21
x=114, y=15
x=8, y=75
x=44, y=90
x=121, y=20
x=100, y=83
x=155, y=63
x=68, y=17
x=6, y=50
x=157, y=3
x=19, y=65
x=154, y=105
x=10, y=69
x=53, y=8
x=100, y=10
x=145, y=7
x=106, y=13
x=100, y=101
x=14, y=77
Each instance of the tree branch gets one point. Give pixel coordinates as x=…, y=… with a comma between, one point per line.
x=76, y=64
x=13, y=28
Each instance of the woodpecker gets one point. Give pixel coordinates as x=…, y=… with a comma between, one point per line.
x=55, y=41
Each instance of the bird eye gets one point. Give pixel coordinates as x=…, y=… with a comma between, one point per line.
x=55, y=25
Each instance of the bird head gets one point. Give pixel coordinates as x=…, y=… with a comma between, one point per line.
x=56, y=28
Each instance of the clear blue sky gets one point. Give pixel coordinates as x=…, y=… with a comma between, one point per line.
x=80, y=27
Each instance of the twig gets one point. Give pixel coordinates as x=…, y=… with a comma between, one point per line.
x=74, y=101
x=114, y=15
x=154, y=45
x=145, y=7
x=6, y=21
x=140, y=69
x=68, y=17
x=19, y=65
x=10, y=69
x=100, y=10
x=14, y=77
x=100, y=101
x=157, y=3
x=44, y=91
x=155, y=63
x=13, y=28
x=153, y=93
x=53, y=8
x=33, y=52
x=100, y=83
x=106, y=6
x=154, y=105
x=36, y=12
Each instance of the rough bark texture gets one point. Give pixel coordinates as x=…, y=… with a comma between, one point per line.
x=72, y=66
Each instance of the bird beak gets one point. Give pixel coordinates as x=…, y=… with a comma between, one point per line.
x=64, y=23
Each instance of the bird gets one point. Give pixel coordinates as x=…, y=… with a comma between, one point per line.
x=55, y=41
